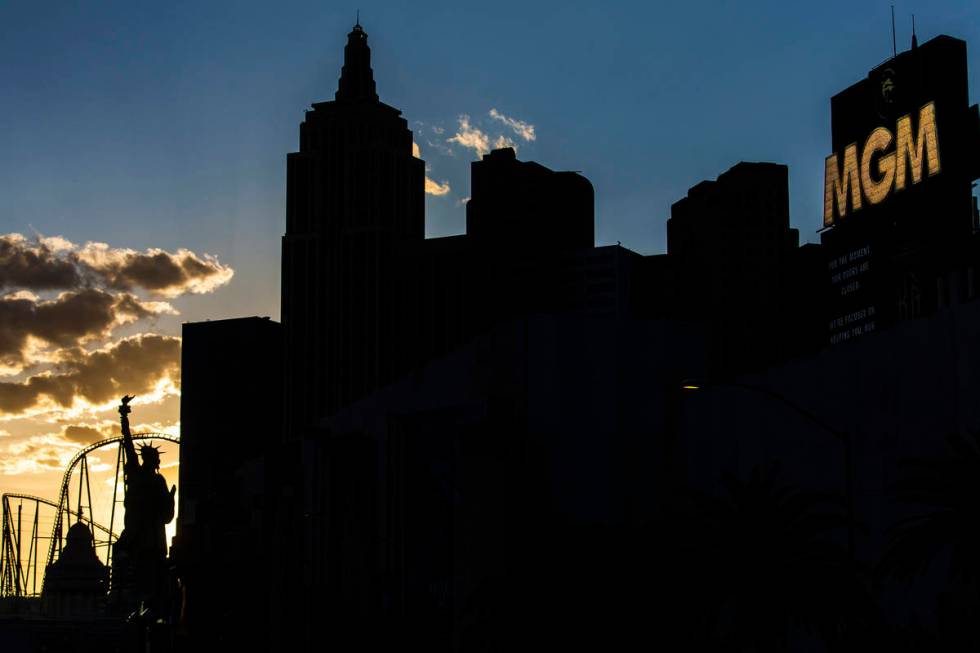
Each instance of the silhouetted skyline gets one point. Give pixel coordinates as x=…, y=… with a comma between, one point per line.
x=142, y=117
x=443, y=417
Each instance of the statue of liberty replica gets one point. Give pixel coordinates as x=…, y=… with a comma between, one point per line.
x=139, y=557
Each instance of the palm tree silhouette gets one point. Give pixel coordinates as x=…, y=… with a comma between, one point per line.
x=766, y=569
x=942, y=529
x=944, y=494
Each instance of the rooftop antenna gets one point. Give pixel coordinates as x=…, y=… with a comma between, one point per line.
x=915, y=41
x=894, y=46
x=357, y=21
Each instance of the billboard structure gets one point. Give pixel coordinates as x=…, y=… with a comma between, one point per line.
x=899, y=213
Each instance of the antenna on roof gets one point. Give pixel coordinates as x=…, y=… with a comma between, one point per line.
x=915, y=41
x=357, y=20
x=894, y=46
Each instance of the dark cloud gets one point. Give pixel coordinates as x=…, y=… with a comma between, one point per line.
x=35, y=265
x=160, y=272
x=83, y=434
x=131, y=366
x=57, y=264
x=71, y=318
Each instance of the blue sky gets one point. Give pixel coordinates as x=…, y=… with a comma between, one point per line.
x=167, y=124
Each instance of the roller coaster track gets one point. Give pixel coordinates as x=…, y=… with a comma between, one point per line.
x=66, y=479
x=49, y=502
x=14, y=577
x=14, y=580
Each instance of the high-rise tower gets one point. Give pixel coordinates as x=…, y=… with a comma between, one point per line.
x=354, y=202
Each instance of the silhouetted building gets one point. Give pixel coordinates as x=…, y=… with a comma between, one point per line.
x=231, y=426
x=523, y=205
x=76, y=584
x=530, y=231
x=730, y=246
x=365, y=298
x=599, y=282
x=899, y=214
x=355, y=200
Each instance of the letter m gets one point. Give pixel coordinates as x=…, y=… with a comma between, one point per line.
x=911, y=148
x=837, y=182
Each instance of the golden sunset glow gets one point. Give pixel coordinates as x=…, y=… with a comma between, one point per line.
x=82, y=326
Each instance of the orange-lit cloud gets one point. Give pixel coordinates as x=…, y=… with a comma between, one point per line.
x=55, y=263
x=145, y=364
x=49, y=452
x=36, y=455
x=504, y=141
x=83, y=433
x=71, y=318
x=433, y=187
x=155, y=270
x=475, y=138
x=523, y=129
x=470, y=137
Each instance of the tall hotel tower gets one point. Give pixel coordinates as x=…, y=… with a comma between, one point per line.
x=355, y=203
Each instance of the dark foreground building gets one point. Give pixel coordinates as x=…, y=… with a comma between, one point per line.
x=231, y=431
x=731, y=250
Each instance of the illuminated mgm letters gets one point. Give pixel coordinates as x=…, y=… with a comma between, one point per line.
x=855, y=174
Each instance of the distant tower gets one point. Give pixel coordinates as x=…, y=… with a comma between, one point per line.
x=354, y=203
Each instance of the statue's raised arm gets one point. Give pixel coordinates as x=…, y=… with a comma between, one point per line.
x=124, y=410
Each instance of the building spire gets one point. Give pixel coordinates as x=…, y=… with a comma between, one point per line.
x=356, y=77
x=915, y=41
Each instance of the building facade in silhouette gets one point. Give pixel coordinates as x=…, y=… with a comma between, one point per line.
x=365, y=297
x=355, y=201
x=231, y=429
x=731, y=250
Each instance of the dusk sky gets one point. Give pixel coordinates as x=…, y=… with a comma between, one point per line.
x=143, y=150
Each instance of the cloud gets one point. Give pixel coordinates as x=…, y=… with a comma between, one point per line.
x=55, y=263
x=38, y=454
x=470, y=137
x=155, y=270
x=72, y=318
x=36, y=265
x=433, y=187
x=504, y=141
x=145, y=364
x=83, y=434
x=473, y=137
x=50, y=451
x=102, y=430
x=523, y=129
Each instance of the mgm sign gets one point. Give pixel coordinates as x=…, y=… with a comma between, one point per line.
x=858, y=179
